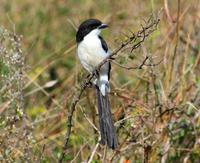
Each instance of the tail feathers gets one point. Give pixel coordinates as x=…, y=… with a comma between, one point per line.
x=107, y=129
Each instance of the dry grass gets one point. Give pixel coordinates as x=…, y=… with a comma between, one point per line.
x=156, y=109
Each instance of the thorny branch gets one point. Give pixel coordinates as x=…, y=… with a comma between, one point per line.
x=135, y=40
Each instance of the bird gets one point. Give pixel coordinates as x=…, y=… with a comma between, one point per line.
x=92, y=49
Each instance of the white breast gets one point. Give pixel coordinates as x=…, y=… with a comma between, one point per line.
x=90, y=51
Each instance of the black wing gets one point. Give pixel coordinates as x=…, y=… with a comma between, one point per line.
x=103, y=43
x=109, y=71
x=105, y=47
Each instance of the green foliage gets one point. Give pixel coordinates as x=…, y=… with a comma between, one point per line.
x=4, y=69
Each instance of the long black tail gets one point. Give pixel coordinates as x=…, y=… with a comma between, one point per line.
x=107, y=129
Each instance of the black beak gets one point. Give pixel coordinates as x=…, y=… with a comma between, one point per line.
x=102, y=26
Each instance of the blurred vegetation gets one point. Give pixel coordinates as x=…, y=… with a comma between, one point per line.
x=156, y=109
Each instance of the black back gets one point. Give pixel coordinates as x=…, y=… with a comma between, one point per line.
x=86, y=27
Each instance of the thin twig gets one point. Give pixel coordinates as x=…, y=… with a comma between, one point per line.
x=90, y=122
x=94, y=151
x=74, y=159
x=137, y=67
x=69, y=122
x=131, y=68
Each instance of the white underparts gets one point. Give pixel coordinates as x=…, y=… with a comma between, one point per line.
x=91, y=54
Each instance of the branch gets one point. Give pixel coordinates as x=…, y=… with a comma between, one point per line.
x=144, y=63
x=131, y=68
x=69, y=122
x=135, y=40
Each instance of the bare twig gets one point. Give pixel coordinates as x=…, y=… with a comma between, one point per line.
x=96, y=129
x=140, y=143
x=74, y=159
x=131, y=68
x=69, y=122
x=94, y=151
